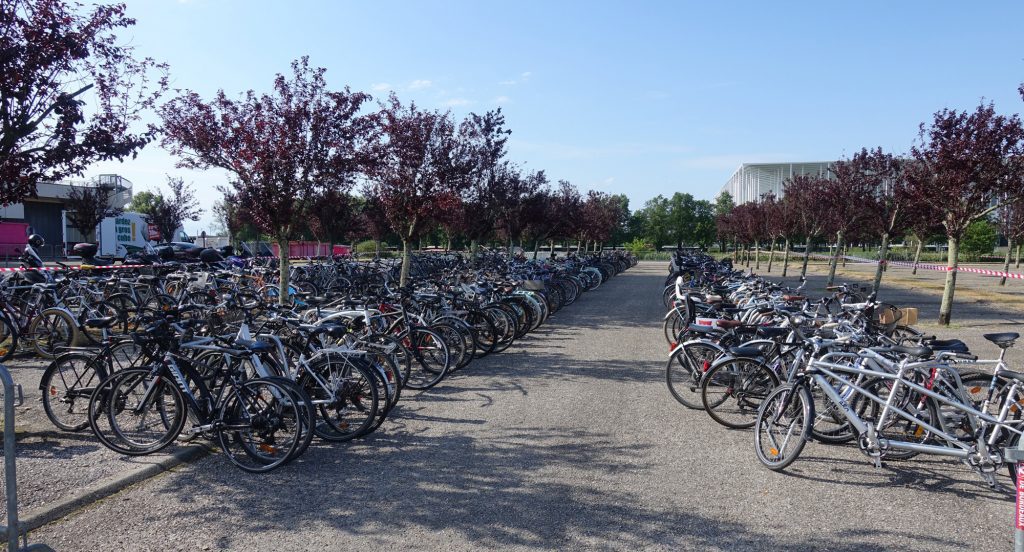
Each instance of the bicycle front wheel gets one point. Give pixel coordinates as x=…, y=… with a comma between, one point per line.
x=783, y=426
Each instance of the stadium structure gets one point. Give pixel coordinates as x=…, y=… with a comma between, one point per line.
x=752, y=180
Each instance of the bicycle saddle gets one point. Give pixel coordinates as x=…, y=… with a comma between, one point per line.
x=254, y=346
x=745, y=351
x=919, y=351
x=771, y=332
x=1002, y=340
x=729, y=324
x=703, y=329
x=949, y=345
x=104, y=322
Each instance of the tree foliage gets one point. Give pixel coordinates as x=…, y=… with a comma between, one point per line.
x=171, y=210
x=54, y=56
x=87, y=206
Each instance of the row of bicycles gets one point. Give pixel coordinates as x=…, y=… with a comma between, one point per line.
x=841, y=369
x=211, y=351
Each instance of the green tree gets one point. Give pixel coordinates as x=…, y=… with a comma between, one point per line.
x=682, y=218
x=704, y=230
x=144, y=203
x=656, y=215
x=724, y=204
x=979, y=239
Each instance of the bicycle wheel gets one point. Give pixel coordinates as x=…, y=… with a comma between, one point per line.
x=52, y=330
x=459, y=341
x=783, y=426
x=897, y=428
x=307, y=419
x=8, y=339
x=65, y=388
x=383, y=343
x=733, y=390
x=345, y=393
x=485, y=333
x=430, y=358
x=685, y=368
x=145, y=411
x=257, y=427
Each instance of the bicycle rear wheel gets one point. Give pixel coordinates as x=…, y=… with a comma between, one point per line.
x=257, y=429
x=431, y=360
x=145, y=412
x=733, y=390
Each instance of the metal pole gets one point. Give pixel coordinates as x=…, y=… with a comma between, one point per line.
x=11, y=478
x=1017, y=455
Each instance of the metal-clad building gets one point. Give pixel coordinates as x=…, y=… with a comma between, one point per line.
x=752, y=180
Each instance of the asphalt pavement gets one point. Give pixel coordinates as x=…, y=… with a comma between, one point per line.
x=567, y=441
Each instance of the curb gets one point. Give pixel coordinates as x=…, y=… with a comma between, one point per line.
x=106, y=487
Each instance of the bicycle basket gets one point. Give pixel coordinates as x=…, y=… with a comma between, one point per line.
x=885, y=317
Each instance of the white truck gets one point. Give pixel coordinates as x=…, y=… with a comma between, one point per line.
x=129, y=232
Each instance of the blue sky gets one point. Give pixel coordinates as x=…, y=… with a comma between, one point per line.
x=641, y=98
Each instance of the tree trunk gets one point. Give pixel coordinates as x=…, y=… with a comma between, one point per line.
x=1017, y=265
x=405, y=262
x=376, y=247
x=835, y=259
x=883, y=255
x=771, y=256
x=448, y=244
x=757, y=254
x=807, y=254
x=536, y=248
x=473, y=247
x=282, y=256
x=846, y=251
x=917, y=255
x=952, y=260
x=785, y=259
x=1006, y=263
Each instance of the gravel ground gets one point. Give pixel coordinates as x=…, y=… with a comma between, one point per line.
x=568, y=441
x=53, y=464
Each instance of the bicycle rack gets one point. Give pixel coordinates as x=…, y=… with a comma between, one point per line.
x=12, y=530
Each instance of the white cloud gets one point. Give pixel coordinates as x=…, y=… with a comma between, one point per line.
x=609, y=181
x=526, y=75
x=420, y=83
x=455, y=102
x=523, y=77
x=502, y=100
x=380, y=87
x=509, y=82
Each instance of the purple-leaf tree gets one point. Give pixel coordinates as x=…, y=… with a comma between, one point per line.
x=172, y=209
x=284, y=149
x=964, y=167
x=804, y=199
x=417, y=174
x=53, y=58
x=87, y=206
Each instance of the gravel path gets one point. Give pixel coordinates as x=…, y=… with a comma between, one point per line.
x=568, y=441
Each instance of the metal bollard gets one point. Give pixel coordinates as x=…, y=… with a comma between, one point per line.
x=1016, y=455
x=10, y=476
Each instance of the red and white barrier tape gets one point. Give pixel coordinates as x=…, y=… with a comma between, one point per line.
x=59, y=268
x=928, y=266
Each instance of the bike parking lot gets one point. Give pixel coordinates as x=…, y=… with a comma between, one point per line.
x=567, y=440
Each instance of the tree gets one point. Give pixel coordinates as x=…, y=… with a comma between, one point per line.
x=284, y=149
x=171, y=210
x=518, y=206
x=87, y=206
x=143, y=202
x=844, y=198
x=886, y=207
x=481, y=141
x=965, y=165
x=1011, y=224
x=53, y=58
x=415, y=176
x=980, y=238
x=703, y=232
x=681, y=218
x=803, y=198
